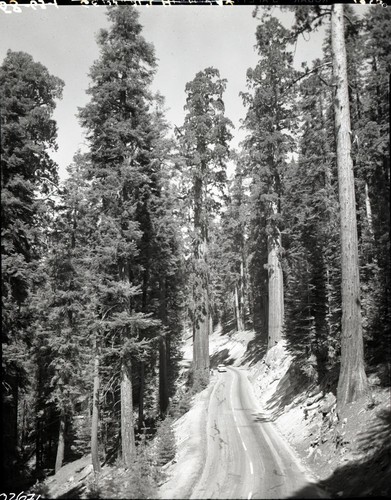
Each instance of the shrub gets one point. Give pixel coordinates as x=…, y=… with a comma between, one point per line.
x=165, y=439
x=200, y=381
x=139, y=481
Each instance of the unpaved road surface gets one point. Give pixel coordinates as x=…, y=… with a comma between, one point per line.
x=246, y=457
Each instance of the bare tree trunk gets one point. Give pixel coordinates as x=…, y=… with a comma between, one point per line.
x=163, y=375
x=264, y=310
x=38, y=445
x=241, y=295
x=237, y=310
x=127, y=426
x=38, y=424
x=201, y=340
x=61, y=444
x=24, y=425
x=368, y=209
x=163, y=352
x=276, y=291
x=352, y=383
x=95, y=412
x=141, y=395
x=201, y=347
x=201, y=327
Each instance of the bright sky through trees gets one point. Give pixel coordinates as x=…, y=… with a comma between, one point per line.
x=186, y=40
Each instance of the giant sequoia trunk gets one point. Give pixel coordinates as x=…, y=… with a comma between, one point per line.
x=95, y=413
x=239, y=300
x=239, y=326
x=241, y=295
x=127, y=426
x=352, y=383
x=61, y=444
x=201, y=320
x=201, y=337
x=276, y=292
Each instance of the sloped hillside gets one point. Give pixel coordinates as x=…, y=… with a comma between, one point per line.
x=349, y=456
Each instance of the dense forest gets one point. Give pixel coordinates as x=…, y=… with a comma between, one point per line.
x=148, y=236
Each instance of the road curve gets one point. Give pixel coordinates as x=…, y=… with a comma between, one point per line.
x=245, y=456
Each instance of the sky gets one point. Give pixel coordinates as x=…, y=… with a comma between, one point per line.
x=187, y=39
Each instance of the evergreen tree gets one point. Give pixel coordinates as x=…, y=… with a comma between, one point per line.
x=121, y=133
x=133, y=262
x=352, y=382
x=28, y=133
x=311, y=216
x=269, y=122
x=62, y=345
x=228, y=255
x=371, y=156
x=204, y=147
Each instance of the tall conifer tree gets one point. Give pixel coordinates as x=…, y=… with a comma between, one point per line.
x=352, y=382
x=28, y=132
x=204, y=146
x=269, y=119
x=123, y=172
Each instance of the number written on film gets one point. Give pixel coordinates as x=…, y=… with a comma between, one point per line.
x=20, y=496
x=13, y=6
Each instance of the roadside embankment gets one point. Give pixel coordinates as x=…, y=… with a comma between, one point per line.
x=185, y=470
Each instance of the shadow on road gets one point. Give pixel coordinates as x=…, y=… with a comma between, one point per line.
x=311, y=491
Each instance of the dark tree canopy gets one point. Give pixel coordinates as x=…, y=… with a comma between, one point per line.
x=28, y=132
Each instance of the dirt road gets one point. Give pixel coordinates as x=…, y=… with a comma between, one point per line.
x=246, y=457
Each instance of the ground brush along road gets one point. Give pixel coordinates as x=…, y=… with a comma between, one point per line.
x=246, y=457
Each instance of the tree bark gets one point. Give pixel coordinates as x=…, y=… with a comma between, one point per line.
x=141, y=395
x=352, y=384
x=368, y=209
x=276, y=291
x=38, y=424
x=95, y=412
x=24, y=425
x=239, y=325
x=241, y=295
x=201, y=327
x=61, y=444
x=163, y=375
x=163, y=352
x=127, y=426
x=38, y=445
x=264, y=310
x=201, y=339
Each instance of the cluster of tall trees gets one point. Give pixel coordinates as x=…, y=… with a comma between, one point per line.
x=101, y=272
x=310, y=197
x=92, y=295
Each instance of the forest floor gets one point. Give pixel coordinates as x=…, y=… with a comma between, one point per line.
x=349, y=457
